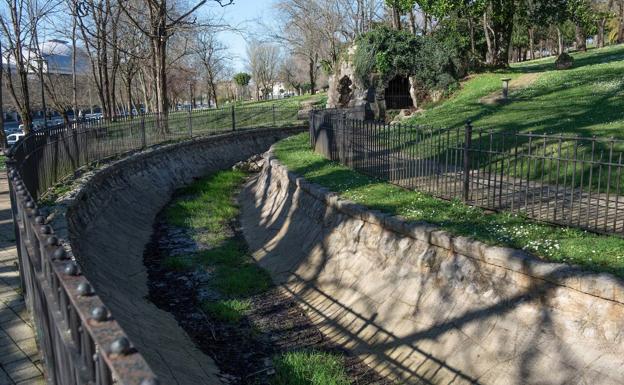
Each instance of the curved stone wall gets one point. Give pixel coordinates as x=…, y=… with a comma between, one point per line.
x=426, y=307
x=110, y=221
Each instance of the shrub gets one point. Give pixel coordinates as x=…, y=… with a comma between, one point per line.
x=387, y=53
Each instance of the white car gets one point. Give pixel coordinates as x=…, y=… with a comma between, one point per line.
x=14, y=138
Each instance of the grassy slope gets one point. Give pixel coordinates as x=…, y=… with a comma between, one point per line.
x=585, y=100
x=594, y=252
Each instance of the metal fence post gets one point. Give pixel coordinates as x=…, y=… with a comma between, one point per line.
x=467, y=145
x=142, y=129
x=233, y=119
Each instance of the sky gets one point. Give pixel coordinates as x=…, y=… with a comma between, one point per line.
x=250, y=17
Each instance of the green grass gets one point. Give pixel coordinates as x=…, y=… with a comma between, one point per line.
x=242, y=281
x=231, y=310
x=585, y=100
x=207, y=208
x=50, y=197
x=553, y=243
x=178, y=263
x=309, y=368
x=318, y=99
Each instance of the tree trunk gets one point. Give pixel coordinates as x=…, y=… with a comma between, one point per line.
x=531, y=44
x=581, y=39
x=129, y=94
x=601, y=32
x=489, y=56
x=162, y=105
x=74, y=75
x=620, y=35
x=312, y=75
x=396, y=18
x=559, y=41
x=499, y=27
x=412, y=20
x=472, y=35
x=3, y=141
x=213, y=90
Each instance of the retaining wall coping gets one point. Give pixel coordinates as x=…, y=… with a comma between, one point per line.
x=601, y=285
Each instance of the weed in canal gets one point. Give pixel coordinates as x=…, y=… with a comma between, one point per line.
x=309, y=368
x=242, y=281
x=178, y=262
x=206, y=207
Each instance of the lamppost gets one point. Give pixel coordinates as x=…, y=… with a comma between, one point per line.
x=41, y=60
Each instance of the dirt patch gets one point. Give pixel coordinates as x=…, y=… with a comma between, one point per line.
x=519, y=83
x=243, y=351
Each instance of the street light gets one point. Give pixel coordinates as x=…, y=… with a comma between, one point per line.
x=41, y=60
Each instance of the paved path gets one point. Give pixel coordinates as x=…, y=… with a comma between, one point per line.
x=19, y=355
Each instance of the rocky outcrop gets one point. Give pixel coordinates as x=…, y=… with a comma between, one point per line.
x=427, y=307
x=348, y=91
x=109, y=221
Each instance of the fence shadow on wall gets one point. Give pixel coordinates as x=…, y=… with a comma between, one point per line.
x=450, y=335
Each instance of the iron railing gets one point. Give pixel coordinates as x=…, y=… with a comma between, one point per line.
x=568, y=180
x=44, y=157
x=80, y=341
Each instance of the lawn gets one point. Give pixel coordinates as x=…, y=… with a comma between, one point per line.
x=317, y=100
x=585, y=100
x=552, y=243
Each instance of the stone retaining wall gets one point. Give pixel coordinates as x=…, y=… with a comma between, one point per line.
x=109, y=221
x=427, y=307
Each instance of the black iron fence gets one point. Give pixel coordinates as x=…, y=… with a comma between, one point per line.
x=568, y=180
x=79, y=338
x=46, y=156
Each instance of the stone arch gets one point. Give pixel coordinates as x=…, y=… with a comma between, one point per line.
x=397, y=93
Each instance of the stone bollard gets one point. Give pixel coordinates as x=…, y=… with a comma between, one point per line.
x=505, y=88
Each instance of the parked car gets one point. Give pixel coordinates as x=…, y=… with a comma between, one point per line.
x=14, y=138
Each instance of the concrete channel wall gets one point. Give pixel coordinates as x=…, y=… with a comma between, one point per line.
x=109, y=222
x=429, y=308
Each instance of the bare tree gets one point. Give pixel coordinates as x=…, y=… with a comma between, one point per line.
x=99, y=21
x=292, y=73
x=358, y=16
x=19, y=22
x=212, y=56
x=163, y=19
x=263, y=61
x=305, y=34
x=133, y=54
x=3, y=139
